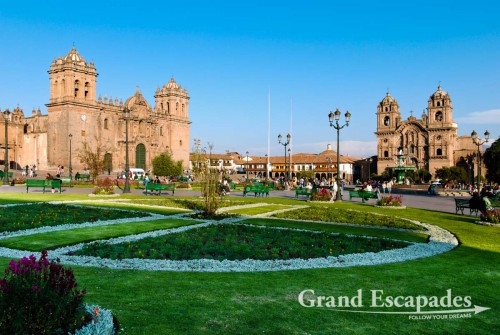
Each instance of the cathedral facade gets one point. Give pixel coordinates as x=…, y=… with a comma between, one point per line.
x=75, y=115
x=430, y=143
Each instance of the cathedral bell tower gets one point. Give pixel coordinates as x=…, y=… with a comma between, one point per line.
x=388, y=119
x=72, y=106
x=388, y=115
x=439, y=109
x=71, y=78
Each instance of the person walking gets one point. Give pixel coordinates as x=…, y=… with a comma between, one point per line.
x=389, y=186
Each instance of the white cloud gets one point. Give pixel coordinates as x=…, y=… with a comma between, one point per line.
x=491, y=116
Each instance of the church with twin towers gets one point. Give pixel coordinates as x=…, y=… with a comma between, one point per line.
x=75, y=114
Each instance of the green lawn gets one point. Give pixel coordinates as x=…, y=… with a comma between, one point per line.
x=257, y=210
x=53, y=240
x=148, y=302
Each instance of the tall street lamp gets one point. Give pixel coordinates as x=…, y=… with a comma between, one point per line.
x=6, y=115
x=126, y=115
x=288, y=137
x=246, y=168
x=289, y=164
x=477, y=141
x=70, y=165
x=336, y=117
x=370, y=160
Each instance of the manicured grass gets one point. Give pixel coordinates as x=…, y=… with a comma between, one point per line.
x=332, y=214
x=238, y=242
x=257, y=210
x=409, y=236
x=47, y=241
x=14, y=218
x=148, y=302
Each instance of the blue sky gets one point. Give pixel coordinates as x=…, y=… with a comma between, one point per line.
x=321, y=55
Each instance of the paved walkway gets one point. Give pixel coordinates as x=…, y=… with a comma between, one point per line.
x=437, y=203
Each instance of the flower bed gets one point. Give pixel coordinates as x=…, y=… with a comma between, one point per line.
x=329, y=214
x=491, y=216
x=20, y=217
x=104, y=187
x=390, y=201
x=321, y=194
x=238, y=242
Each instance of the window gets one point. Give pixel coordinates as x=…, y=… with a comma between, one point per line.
x=386, y=109
x=439, y=152
x=25, y=128
x=77, y=87
x=386, y=154
x=87, y=90
x=439, y=116
x=387, y=121
x=439, y=103
x=180, y=143
x=161, y=131
x=412, y=149
x=105, y=123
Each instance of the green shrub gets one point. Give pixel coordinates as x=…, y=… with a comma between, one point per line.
x=40, y=297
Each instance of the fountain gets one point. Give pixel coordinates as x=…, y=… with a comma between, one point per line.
x=400, y=169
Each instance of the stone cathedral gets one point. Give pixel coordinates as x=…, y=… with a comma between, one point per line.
x=74, y=112
x=430, y=143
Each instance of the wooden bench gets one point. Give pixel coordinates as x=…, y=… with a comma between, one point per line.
x=82, y=176
x=54, y=183
x=160, y=187
x=257, y=189
x=364, y=195
x=303, y=191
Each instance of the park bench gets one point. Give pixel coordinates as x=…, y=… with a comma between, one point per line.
x=257, y=189
x=82, y=176
x=65, y=180
x=10, y=174
x=303, y=191
x=53, y=183
x=364, y=195
x=159, y=187
x=461, y=204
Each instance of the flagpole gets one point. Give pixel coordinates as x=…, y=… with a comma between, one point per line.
x=268, y=133
x=291, y=133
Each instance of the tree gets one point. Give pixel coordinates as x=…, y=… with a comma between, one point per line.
x=93, y=157
x=164, y=165
x=455, y=174
x=492, y=162
x=209, y=181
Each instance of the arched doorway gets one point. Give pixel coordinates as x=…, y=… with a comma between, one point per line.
x=140, y=156
x=108, y=162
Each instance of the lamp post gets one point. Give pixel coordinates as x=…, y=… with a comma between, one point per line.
x=126, y=115
x=289, y=164
x=370, y=160
x=334, y=122
x=246, y=167
x=6, y=115
x=70, y=165
x=288, y=137
x=477, y=141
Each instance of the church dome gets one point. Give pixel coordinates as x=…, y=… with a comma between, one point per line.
x=388, y=99
x=136, y=99
x=439, y=93
x=172, y=84
x=73, y=56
